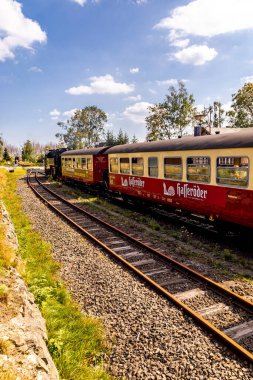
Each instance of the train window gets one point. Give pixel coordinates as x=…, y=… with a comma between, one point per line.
x=198, y=169
x=153, y=167
x=173, y=168
x=232, y=171
x=114, y=165
x=78, y=162
x=63, y=161
x=83, y=163
x=89, y=164
x=124, y=165
x=137, y=166
x=69, y=162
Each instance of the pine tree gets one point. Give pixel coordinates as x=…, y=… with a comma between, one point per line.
x=6, y=155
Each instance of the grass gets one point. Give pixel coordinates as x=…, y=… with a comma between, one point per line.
x=4, y=290
x=154, y=225
x=8, y=375
x=4, y=346
x=245, y=277
x=76, y=342
x=7, y=254
x=229, y=256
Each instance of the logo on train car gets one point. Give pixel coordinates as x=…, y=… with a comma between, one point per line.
x=185, y=191
x=132, y=181
x=170, y=191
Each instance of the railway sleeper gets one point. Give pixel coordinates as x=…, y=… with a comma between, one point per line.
x=241, y=331
x=213, y=309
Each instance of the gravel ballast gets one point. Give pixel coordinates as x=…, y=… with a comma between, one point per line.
x=149, y=337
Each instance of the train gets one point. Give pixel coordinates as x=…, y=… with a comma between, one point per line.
x=209, y=176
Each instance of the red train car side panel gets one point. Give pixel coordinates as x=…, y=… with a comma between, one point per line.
x=91, y=177
x=230, y=204
x=100, y=165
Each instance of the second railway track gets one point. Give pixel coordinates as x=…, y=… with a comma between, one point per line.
x=227, y=316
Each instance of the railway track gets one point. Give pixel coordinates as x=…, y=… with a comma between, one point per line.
x=229, y=235
x=221, y=312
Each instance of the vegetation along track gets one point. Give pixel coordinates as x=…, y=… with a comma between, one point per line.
x=223, y=313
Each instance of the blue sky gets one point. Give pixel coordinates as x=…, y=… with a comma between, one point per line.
x=120, y=55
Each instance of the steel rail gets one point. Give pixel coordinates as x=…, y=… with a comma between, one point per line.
x=241, y=351
x=244, y=303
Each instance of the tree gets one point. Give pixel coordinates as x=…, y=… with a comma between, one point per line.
x=27, y=151
x=110, y=139
x=134, y=140
x=1, y=146
x=180, y=106
x=157, y=125
x=241, y=114
x=122, y=138
x=126, y=138
x=6, y=155
x=170, y=118
x=84, y=129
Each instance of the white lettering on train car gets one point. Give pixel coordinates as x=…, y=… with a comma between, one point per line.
x=185, y=191
x=132, y=181
x=191, y=192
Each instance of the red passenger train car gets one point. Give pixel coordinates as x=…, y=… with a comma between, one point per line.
x=89, y=166
x=209, y=175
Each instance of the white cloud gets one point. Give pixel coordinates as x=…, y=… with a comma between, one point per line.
x=177, y=38
x=134, y=98
x=134, y=70
x=195, y=54
x=248, y=79
x=139, y=2
x=205, y=18
x=80, y=2
x=101, y=85
x=83, y=2
x=35, y=69
x=137, y=112
x=54, y=114
x=210, y=18
x=70, y=112
x=168, y=82
x=181, y=43
x=16, y=30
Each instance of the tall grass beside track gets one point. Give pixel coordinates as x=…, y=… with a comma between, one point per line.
x=7, y=255
x=76, y=342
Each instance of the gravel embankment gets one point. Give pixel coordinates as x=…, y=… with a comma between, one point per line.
x=149, y=338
